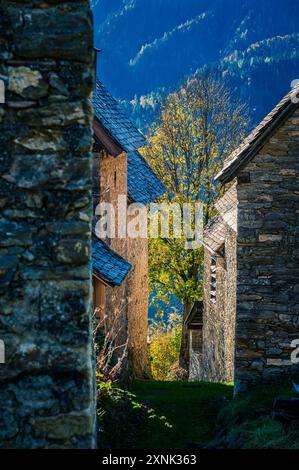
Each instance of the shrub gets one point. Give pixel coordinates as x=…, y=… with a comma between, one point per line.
x=165, y=349
x=121, y=416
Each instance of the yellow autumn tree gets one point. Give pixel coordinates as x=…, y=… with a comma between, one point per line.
x=199, y=125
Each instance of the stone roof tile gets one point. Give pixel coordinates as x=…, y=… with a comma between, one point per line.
x=257, y=138
x=109, y=112
x=214, y=234
x=107, y=264
x=227, y=207
x=143, y=185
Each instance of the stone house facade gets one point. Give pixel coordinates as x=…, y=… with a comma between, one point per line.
x=215, y=361
x=122, y=178
x=265, y=169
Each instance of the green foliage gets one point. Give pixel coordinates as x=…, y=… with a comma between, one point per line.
x=254, y=403
x=121, y=415
x=258, y=434
x=164, y=349
x=246, y=422
x=175, y=271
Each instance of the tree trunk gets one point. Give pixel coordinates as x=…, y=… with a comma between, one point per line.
x=184, y=352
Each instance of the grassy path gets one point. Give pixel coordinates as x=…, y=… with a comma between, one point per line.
x=190, y=407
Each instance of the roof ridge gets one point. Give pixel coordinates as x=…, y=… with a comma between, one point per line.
x=257, y=137
x=115, y=120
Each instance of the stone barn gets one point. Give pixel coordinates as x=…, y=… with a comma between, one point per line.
x=122, y=177
x=265, y=170
x=215, y=361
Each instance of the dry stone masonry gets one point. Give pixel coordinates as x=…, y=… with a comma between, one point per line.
x=46, y=383
x=267, y=298
x=268, y=267
x=219, y=292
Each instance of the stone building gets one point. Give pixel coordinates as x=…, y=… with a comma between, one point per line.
x=265, y=168
x=194, y=327
x=47, y=390
x=213, y=358
x=122, y=177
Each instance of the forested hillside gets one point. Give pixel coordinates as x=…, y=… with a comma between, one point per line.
x=149, y=46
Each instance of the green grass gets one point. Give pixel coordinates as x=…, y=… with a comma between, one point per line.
x=255, y=403
x=247, y=423
x=206, y=414
x=190, y=407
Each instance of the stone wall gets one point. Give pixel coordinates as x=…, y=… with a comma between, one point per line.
x=268, y=260
x=195, y=346
x=219, y=318
x=113, y=182
x=126, y=306
x=47, y=381
x=138, y=292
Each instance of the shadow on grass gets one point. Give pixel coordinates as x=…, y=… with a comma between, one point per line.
x=190, y=407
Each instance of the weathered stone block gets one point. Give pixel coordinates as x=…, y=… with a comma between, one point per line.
x=58, y=427
x=257, y=365
x=8, y=266
x=270, y=237
x=73, y=252
x=48, y=141
x=55, y=170
x=46, y=208
x=55, y=115
x=61, y=32
x=15, y=234
x=27, y=83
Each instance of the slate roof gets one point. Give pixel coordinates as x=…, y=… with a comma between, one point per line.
x=227, y=207
x=143, y=185
x=107, y=264
x=109, y=112
x=257, y=139
x=214, y=234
